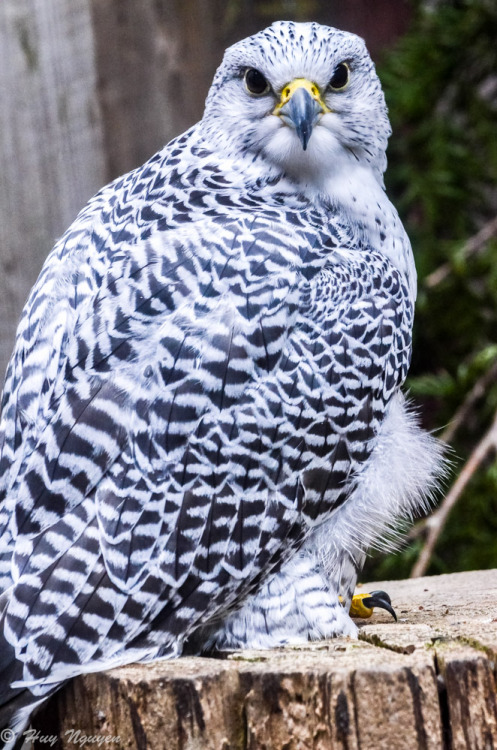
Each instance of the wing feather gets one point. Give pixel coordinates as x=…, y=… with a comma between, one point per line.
x=211, y=405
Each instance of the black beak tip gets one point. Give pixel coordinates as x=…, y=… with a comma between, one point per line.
x=381, y=600
x=304, y=139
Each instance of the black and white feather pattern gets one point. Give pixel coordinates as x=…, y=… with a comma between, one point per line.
x=202, y=429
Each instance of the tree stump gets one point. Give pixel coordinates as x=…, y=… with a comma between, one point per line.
x=427, y=681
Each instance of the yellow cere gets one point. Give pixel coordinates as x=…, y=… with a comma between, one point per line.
x=298, y=83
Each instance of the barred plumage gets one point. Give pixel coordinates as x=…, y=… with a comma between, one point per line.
x=202, y=428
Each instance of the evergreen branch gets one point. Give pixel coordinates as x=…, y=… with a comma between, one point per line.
x=478, y=391
x=437, y=521
x=473, y=246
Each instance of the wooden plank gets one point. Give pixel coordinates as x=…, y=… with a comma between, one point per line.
x=419, y=683
x=155, y=60
x=51, y=157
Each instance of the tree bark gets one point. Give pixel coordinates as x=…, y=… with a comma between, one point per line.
x=425, y=682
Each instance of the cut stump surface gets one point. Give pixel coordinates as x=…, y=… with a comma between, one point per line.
x=427, y=681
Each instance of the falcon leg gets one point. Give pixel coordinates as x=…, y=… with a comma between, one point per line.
x=396, y=482
x=294, y=606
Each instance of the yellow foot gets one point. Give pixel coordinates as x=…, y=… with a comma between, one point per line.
x=362, y=605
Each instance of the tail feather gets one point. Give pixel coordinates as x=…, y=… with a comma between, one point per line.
x=16, y=703
x=16, y=708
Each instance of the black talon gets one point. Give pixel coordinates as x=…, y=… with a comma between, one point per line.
x=380, y=599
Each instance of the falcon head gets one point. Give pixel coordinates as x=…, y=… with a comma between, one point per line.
x=304, y=97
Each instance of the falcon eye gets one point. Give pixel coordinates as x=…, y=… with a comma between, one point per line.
x=340, y=77
x=255, y=82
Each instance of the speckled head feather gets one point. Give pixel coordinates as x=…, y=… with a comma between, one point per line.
x=356, y=128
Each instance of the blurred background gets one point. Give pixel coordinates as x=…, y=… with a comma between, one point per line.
x=91, y=88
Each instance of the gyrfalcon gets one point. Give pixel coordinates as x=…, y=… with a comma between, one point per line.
x=202, y=426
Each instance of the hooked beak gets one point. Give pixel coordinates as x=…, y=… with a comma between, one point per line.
x=300, y=107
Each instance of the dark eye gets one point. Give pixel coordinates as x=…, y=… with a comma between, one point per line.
x=340, y=77
x=255, y=82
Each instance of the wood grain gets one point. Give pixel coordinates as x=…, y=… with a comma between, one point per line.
x=51, y=157
x=427, y=681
